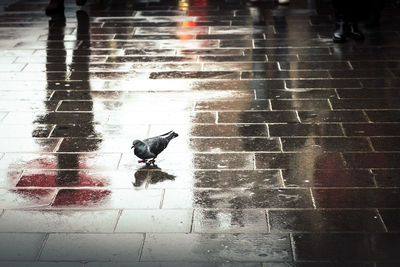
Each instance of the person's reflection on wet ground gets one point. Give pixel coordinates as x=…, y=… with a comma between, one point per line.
x=56, y=60
x=151, y=174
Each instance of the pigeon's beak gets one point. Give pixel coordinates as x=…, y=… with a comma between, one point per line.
x=132, y=147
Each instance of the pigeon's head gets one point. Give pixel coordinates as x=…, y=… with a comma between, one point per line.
x=136, y=143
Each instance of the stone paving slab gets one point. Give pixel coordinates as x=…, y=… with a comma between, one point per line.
x=90, y=247
x=288, y=150
x=53, y=221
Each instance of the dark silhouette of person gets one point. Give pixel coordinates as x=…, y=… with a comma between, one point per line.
x=57, y=6
x=347, y=15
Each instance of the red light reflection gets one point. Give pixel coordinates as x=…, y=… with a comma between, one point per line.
x=61, y=178
x=187, y=5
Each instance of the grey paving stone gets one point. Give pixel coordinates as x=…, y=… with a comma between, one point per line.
x=90, y=247
x=216, y=247
x=325, y=221
x=329, y=144
x=387, y=177
x=155, y=221
x=107, y=199
x=25, y=198
x=47, y=221
x=175, y=263
x=280, y=130
x=391, y=219
x=357, y=198
x=237, y=179
x=20, y=246
x=328, y=178
x=332, y=247
x=9, y=177
x=234, y=144
x=40, y=264
x=229, y=221
x=237, y=199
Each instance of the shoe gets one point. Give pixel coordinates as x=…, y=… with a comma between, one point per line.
x=80, y=2
x=339, y=36
x=283, y=2
x=355, y=33
x=55, y=6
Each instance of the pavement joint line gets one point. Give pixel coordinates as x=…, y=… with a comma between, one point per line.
x=370, y=144
x=381, y=220
x=117, y=221
x=374, y=177
x=298, y=116
x=280, y=144
x=292, y=246
x=119, y=161
x=330, y=104
x=192, y=221
x=282, y=180
x=39, y=254
x=268, y=220
x=57, y=146
x=162, y=198
x=312, y=198
x=140, y=253
x=343, y=129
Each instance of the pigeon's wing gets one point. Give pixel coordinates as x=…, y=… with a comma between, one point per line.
x=156, y=144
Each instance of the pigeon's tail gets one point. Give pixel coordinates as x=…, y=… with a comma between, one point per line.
x=170, y=135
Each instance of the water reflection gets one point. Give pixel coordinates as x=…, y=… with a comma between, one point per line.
x=56, y=30
x=229, y=221
x=151, y=174
x=311, y=151
x=56, y=50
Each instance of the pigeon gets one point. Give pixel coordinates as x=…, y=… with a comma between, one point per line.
x=150, y=148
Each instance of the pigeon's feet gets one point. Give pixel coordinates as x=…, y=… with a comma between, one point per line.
x=148, y=162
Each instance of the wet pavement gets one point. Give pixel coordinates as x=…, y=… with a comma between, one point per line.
x=288, y=151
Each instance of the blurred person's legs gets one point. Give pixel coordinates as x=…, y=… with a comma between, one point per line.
x=356, y=9
x=339, y=35
x=57, y=6
x=347, y=14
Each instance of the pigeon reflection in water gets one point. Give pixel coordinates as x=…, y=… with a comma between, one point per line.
x=150, y=148
x=151, y=174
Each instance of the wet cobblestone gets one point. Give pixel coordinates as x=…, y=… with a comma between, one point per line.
x=288, y=150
